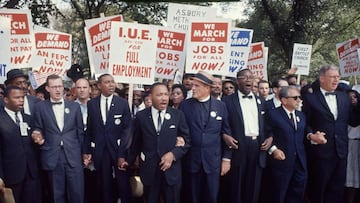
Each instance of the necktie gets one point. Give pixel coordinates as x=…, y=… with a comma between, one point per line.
x=106, y=107
x=17, y=119
x=292, y=120
x=329, y=93
x=247, y=96
x=159, y=121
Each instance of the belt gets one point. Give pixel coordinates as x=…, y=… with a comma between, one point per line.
x=252, y=137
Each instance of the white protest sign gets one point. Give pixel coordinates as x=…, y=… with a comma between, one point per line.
x=180, y=15
x=98, y=42
x=22, y=37
x=240, y=48
x=5, y=27
x=209, y=46
x=133, y=52
x=52, y=54
x=257, y=60
x=170, y=53
x=301, y=58
x=348, y=57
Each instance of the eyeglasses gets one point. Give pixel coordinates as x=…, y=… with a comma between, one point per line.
x=246, y=77
x=294, y=97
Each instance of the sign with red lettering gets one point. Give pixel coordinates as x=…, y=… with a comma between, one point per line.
x=348, y=57
x=257, y=61
x=209, y=46
x=170, y=53
x=97, y=36
x=180, y=15
x=22, y=37
x=133, y=52
x=52, y=54
x=5, y=27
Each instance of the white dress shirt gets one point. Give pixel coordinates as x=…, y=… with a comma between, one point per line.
x=12, y=115
x=155, y=116
x=58, y=110
x=102, y=106
x=331, y=102
x=250, y=114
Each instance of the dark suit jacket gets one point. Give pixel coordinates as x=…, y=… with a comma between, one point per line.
x=269, y=104
x=286, y=138
x=154, y=146
x=17, y=153
x=113, y=135
x=320, y=118
x=206, y=149
x=238, y=131
x=72, y=134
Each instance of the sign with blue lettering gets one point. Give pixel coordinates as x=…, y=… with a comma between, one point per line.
x=239, y=52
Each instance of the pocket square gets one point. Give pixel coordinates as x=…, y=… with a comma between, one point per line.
x=219, y=118
x=262, y=112
x=172, y=126
x=117, y=116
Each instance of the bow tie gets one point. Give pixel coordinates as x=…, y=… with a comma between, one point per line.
x=247, y=96
x=329, y=93
x=56, y=103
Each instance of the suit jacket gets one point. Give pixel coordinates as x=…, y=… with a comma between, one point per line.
x=286, y=138
x=17, y=153
x=269, y=104
x=207, y=147
x=238, y=131
x=113, y=135
x=320, y=118
x=71, y=136
x=153, y=146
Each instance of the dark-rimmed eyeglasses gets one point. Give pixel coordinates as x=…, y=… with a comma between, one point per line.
x=295, y=97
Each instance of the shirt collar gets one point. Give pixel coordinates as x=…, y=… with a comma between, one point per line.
x=288, y=112
x=104, y=98
x=205, y=100
x=250, y=94
x=155, y=111
x=323, y=91
x=9, y=111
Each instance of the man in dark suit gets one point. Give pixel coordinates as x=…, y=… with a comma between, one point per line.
x=156, y=132
x=59, y=130
x=108, y=128
x=17, y=78
x=275, y=102
x=206, y=159
x=287, y=164
x=248, y=140
x=328, y=114
x=19, y=166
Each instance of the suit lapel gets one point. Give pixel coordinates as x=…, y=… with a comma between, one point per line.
x=66, y=113
x=48, y=105
x=98, y=109
x=149, y=116
x=286, y=117
x=324, y=103
x=237, y=106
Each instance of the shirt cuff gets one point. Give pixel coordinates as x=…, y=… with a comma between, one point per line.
x=226, y=159
x=272, y=149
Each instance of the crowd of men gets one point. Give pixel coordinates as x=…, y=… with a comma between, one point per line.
x=238, y=141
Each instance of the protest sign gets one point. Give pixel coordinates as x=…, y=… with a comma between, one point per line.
x=133, y=52
x=22, y=37
x=98, y=42
x=301, y=58
x=5, y=27
x=257, y=60
x=180, y=15
x=170, y=53
x=209, y=46
x=240, y=48
x=52, y=54
x=348, y=57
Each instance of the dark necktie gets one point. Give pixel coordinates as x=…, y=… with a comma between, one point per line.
x=56, y=103
x=17, y=119
x=159, y=122
x=106, y=108
x=247, y=96
x=292, y=120
x=329, y=93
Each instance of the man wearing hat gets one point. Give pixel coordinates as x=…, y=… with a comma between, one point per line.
x=16, y=77
x=206, y=159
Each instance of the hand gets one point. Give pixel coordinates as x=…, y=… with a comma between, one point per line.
x=318, y=137
x=279, y=154
x=266, y=144
x=122, y=164
x=225, y=167
x=37, y=137
x=180, y=142
x=2, y=186
x=166, y=161
x=86, y=159
x=230, y=141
